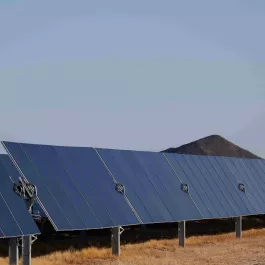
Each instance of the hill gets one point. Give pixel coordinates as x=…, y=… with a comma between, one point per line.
x=213, y=145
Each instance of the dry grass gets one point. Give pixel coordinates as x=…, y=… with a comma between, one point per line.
x=220, y=249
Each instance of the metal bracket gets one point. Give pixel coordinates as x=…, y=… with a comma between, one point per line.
x=184, y=187
x=120, y=188
x=241, y=187
x=33, y=238
x=36, y=216
x=19, y=242
x=27, y=191
x=121, y=230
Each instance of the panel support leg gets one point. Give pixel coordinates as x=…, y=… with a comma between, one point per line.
x=83, y=236
x=182, y=233
x=26, y=250
x=13, y=251
x=115, y=240
x=238, y=226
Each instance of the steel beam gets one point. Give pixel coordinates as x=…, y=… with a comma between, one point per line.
x=26, y=250
x=238, y=226
x=182, y=233
x=115, y=240
x=13, y=251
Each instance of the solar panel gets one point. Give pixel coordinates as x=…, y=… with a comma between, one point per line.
x=121, y=173
x=10, y=168
x=147, y=184
x=99, y=178
x=15, y=219
x=133, y=184
x=14, y=175
x=237, y=201
x=72, y=187
x=86, y=188
x=196, y=191
x=245, y=204
x=182, y=207
x=248, y=175
x=161, y=177
x=212, y=186
x=91, y=194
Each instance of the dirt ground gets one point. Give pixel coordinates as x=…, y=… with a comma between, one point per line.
x=219, y=249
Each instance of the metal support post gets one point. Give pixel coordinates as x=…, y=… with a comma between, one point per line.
x=238, y=226
x=27, y=242
x=26, y=250
x=115, y=240
x=13, y=251
x=182, y=233
x=83, y=236
x=28, y=192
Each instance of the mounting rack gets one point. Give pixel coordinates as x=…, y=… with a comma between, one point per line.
x=28, y=192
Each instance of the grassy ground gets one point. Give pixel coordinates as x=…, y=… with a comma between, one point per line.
x=218, y=249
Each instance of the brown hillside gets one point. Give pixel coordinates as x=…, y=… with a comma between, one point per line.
x=213, y=145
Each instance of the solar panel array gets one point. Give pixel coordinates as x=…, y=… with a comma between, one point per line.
x=15, y=219
x=77, y=186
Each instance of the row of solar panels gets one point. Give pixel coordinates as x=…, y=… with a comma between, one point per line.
x=87, y=188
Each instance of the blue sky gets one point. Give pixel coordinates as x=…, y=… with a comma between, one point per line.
x=143, y=75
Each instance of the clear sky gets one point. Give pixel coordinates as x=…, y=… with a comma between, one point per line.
x=142, y=75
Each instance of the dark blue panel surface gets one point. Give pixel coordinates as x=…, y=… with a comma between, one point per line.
x=208, y=184
x=10, y=168
x=184, y=173
x=1, y=233
x=53, y=184
x=15, y=219
x=258, y=170
x=255, y=174
x=90, y=163
x=238, y=200
x=242, y=177
x=200, y=184
x=14, y=175
x=122, y=173
x=214, y=174
x=48, y=202
x=157, y=184
x=77, y=186
x=241, y=199
x=8, y=224
x=16, y=204
x=137, y=186
x=250, y=172
x=222, y=203
x=167, y=182
x=261, y=162
x=147, y=185
x=91, y=195
x=53, y=161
